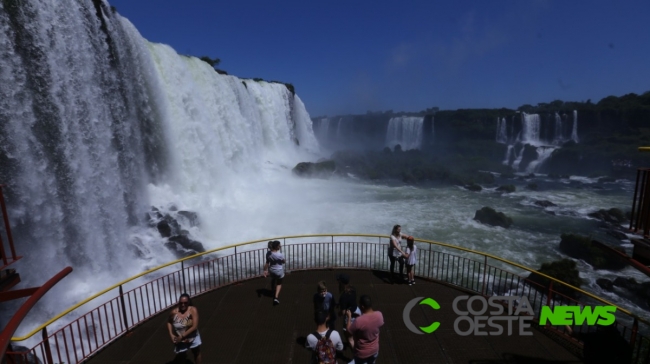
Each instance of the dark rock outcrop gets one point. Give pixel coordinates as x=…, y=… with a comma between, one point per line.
x=605, y=284
x=611, y=216
x=315, y=170
x=580, y=247
x=191, y=217
x=473, y=187
x=564, y=270
x=544, y=203
x=507, y=188
x=489, y=216
x=182, y=246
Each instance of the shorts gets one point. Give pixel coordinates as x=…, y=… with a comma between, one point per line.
x=183, y=347
x=276, y=274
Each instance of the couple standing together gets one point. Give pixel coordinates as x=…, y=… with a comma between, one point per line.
x=402, y=256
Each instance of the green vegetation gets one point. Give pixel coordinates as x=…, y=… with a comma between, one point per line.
x=213, y=62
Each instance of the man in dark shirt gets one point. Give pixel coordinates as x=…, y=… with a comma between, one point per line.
x=347, y=301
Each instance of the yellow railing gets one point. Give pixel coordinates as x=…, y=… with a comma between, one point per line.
x=485, y=255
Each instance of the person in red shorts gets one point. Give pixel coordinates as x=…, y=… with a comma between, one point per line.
x=365, y=332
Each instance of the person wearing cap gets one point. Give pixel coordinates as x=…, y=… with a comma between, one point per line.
x=395, y=252
x=347, y=302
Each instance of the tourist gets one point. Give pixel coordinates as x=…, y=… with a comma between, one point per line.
x=324, y=342
x=411, y=259
x=395, y=252
x=275, y=268
x=365, y=332
x=183, y=330
x=324, y=301
x=347, y=301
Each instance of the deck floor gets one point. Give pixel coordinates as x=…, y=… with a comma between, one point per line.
x=239, y=324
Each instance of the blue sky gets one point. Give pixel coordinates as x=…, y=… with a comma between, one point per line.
x=355, y=56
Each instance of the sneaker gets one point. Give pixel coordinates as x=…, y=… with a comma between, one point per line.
x=410, y=283
x=276, y=302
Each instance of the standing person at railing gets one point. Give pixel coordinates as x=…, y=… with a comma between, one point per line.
x=183, y=329
x=395, y=252
x=275, y=267
x=411, y=256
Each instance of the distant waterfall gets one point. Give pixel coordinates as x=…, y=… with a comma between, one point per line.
x=557, y=138
x=530, y=129
x=574, y=130
x=545, y=132
x=405, y=131
x=502, y=133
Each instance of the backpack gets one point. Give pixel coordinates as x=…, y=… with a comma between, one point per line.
x=325, y=351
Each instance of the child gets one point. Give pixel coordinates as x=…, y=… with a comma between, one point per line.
x=411, y=255
x=324, y=301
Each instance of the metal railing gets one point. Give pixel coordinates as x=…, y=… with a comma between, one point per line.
x=473, y=271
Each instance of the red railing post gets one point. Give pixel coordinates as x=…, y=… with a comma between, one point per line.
x=635, y=329
x=7, y=227
x=549, y=294
x=46, y=345
x=126, y=323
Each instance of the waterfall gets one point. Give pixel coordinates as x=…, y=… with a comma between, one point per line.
x=323, y=129
x=530, y=129
x=542, y=155
x=405, y=131
x=574, y=130
x=97, y=124
x=502, y=134
x=506, y=160
x=558, y=138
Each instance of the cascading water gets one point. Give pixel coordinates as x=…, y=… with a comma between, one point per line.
x=530, y=129
x=405, y=131
x=574, y=129
x=543, y=135
x=97, y=125
x=502, y=133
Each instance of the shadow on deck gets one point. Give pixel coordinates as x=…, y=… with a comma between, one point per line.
x=239, y=324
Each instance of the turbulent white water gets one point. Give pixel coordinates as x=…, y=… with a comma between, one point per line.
x=405, y=131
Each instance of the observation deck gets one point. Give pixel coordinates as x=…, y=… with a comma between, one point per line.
x=239, y=324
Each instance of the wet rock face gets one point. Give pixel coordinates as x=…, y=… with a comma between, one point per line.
x=315, y=170
x=182, y=246
x=175, y=225
x=605, y=284
x=579, y=247
x=544, y=203
x=489, y=216
x=611, y=216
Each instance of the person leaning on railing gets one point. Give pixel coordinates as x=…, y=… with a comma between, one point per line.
x=395, y=252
